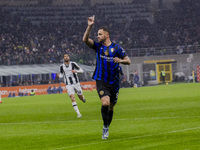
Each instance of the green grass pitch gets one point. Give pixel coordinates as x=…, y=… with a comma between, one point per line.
x=164, y=117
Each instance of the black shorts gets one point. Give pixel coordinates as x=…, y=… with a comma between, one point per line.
x=106, y=89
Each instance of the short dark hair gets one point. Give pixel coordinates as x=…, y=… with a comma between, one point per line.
x=105, y=29
x=65, y=54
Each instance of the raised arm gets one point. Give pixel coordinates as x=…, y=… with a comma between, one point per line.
x=86, y=38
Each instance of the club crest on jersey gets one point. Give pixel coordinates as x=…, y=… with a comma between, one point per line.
x=112, y=50
x=106, y=53
x=101, y=92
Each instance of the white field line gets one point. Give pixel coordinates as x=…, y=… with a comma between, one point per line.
x=61, y=121
x=122, y=139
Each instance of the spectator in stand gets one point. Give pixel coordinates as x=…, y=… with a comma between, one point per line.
x=23, y=42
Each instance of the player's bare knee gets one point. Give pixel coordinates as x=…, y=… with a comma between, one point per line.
x=72, y=98
x=105, y=101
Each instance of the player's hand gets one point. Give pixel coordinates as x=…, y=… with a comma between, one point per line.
x=116, y=60
x=91, y=20
x=74, y=71
x=57, y=75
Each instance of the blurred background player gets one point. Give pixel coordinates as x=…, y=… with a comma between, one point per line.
x=68, y=71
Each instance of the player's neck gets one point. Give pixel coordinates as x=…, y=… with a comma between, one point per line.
x=107, y=43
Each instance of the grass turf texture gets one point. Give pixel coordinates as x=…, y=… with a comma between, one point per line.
x=159, y=117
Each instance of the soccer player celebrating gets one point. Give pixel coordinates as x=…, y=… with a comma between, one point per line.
x=68, y=71
x=106, y=74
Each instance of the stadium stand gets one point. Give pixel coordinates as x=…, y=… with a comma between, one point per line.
x=33, y=32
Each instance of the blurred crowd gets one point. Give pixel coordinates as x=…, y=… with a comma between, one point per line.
x=24, y=42
x=180, y=26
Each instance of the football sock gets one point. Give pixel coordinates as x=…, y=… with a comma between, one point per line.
x=84, y=100
x=74, y=104
x=110, y=116
x=105, y=115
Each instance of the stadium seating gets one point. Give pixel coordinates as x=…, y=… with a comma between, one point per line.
x=35, y=33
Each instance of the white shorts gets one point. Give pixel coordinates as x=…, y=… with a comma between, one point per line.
x=74, y=88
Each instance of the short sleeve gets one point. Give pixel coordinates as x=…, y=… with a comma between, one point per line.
x=61, y=69
x=75, y=66
x=122, y=52
x=95, y=46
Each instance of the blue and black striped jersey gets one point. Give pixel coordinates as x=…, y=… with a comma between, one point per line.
x=106, y=69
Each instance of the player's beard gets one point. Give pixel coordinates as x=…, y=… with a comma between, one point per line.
x=66, y=60
x=102, y=40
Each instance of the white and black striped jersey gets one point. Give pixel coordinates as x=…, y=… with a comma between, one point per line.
x=67, y=75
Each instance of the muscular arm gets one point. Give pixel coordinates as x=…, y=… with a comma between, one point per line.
x=125, y=60
x=86, y=38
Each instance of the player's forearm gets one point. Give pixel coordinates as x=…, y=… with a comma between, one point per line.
x=80, y=70
x=86, y=36
x=125, y=61
x=87, y=33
